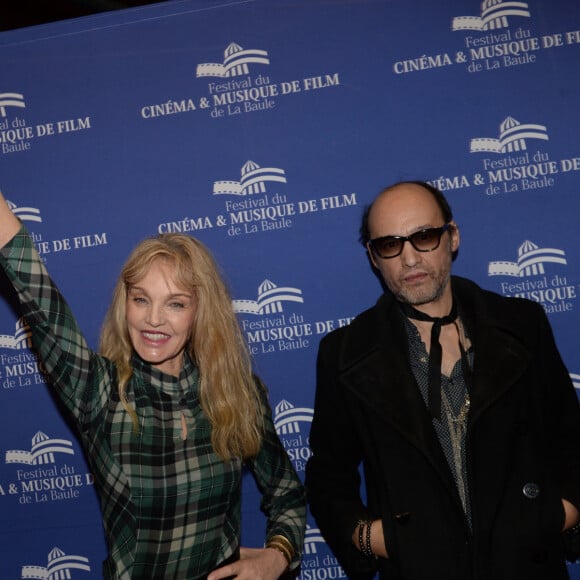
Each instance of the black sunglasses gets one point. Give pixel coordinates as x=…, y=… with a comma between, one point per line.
x=425, y=240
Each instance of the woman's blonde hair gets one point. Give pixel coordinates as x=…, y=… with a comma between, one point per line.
x=228, y=392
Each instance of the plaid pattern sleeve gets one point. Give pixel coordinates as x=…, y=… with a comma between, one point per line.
x=83, y=381
x=283, y=496
x=55, y=336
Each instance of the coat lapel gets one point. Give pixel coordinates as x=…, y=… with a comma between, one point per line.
x=376, y=369
x=500, y=354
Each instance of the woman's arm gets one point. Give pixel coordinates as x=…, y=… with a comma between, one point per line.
x=57, y=340
x=283, y=496
x=283, y=502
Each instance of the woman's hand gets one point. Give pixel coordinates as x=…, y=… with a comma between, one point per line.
x=254, y=564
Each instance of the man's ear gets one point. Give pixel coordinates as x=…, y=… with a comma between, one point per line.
x=455, y=236
x=372, y=256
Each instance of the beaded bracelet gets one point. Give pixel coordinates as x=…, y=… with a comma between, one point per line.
x=364, y=540
x=369, y=551
x=361, y=524
x=573, y=530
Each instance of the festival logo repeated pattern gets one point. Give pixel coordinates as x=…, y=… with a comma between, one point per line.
x=266, y=138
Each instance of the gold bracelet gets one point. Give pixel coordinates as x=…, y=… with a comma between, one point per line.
x=279, y=548
x=283, y=545
x=284, y=541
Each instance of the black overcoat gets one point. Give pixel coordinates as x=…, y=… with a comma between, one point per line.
x=523, y=448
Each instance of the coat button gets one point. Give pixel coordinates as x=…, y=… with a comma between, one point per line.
x=403, y=517
x=531, y=490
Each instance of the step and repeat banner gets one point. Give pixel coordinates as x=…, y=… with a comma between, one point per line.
x=263, y=128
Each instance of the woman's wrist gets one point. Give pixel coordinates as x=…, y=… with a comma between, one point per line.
x=282, y=545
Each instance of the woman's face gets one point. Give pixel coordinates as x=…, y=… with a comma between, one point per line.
x=160, y=318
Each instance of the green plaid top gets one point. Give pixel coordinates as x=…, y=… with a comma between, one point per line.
x=171, y=507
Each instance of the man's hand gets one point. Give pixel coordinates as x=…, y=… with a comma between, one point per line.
x=572, y=515
x=377, y=539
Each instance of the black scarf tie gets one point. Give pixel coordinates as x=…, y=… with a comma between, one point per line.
x=434, y=372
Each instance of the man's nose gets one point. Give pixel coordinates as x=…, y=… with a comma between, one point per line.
x=409, y=256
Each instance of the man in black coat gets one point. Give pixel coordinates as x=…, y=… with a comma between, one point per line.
x=456, y=403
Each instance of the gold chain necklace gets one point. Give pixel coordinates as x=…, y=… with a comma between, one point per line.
x=457, y=425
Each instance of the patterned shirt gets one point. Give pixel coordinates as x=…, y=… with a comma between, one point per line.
x=171, y=507
x=452, y=386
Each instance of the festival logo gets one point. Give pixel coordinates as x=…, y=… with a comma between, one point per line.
x=19, y=340
x=17, y=135
x=42, y=451
x=494, y=15
x=60, y=565
x=242, y=87
x=236, y=62
x=251, y=207
x=22, y=368
x=25, y=214
x=269, y=329
x=553, y=292
x=270, y=300
x=511, y=162
x=274, y=331
x=512, y=137
x=11, y=100
x=39, y=474
x=516, y=168
x=293, y=426
x=253, y=180
x=497, y=42
x=44, y=247
x=513, y=166
x=245, y=93
x=318, y=563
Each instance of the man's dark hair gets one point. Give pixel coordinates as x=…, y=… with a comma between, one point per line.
x=364, y=234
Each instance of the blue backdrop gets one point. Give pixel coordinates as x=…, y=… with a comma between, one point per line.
x=263, y=128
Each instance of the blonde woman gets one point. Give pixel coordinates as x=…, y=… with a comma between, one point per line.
x=168, y=411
